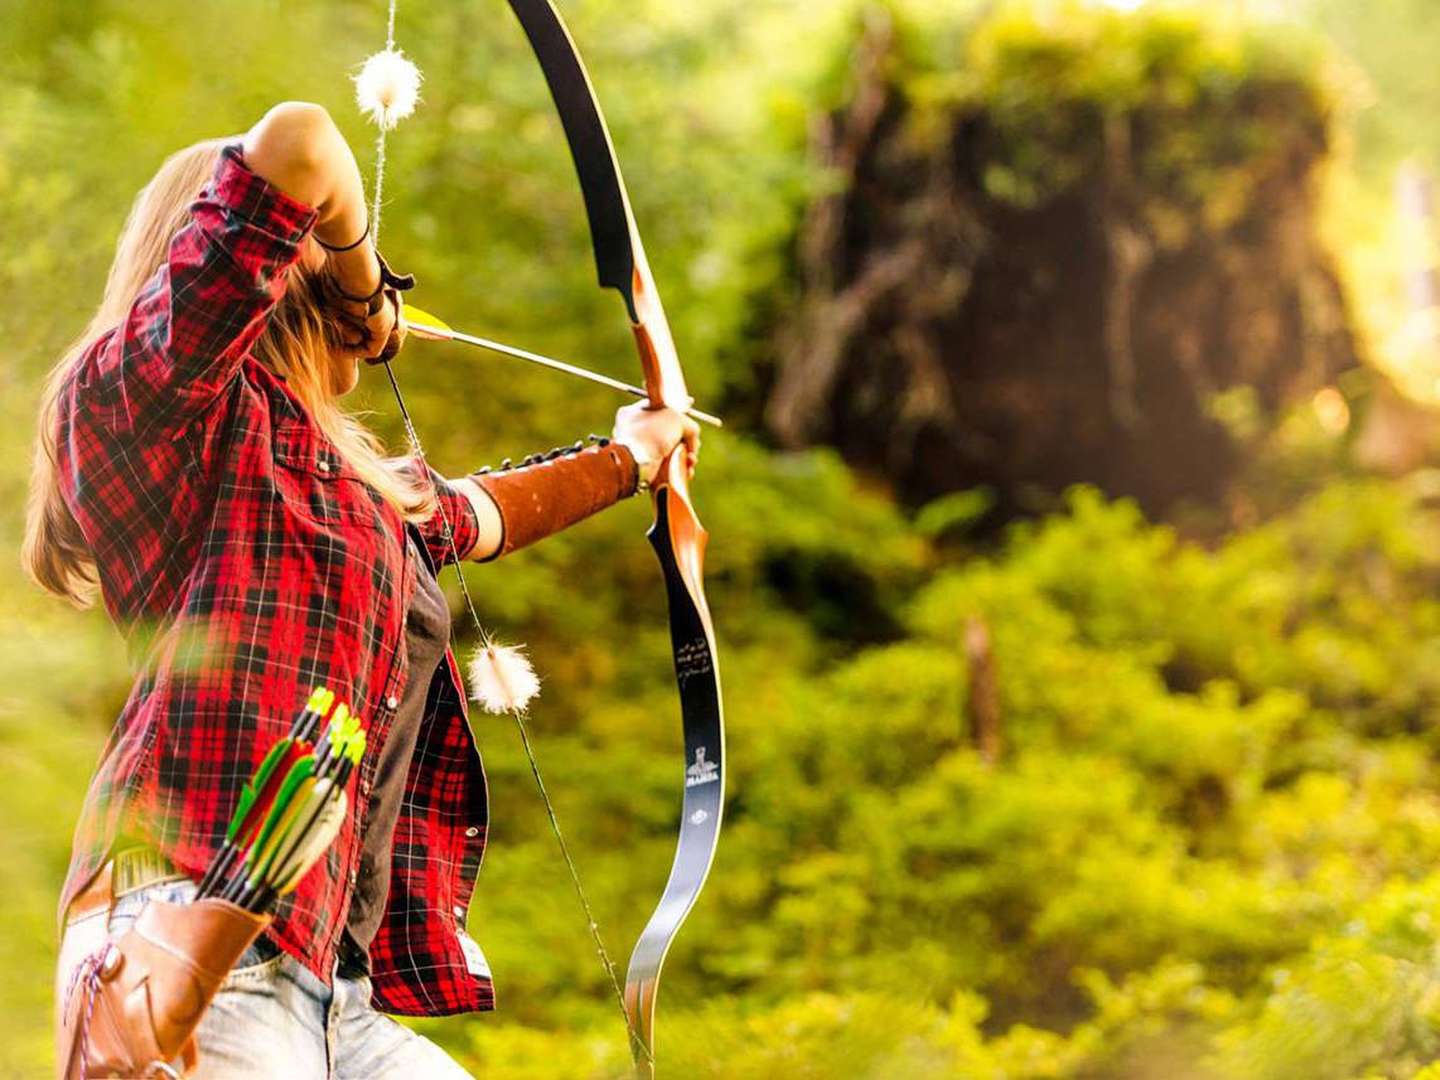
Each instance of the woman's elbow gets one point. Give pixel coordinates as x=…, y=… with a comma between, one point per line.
x=291, y=147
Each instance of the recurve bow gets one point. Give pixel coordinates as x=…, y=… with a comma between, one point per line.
x=677, y=536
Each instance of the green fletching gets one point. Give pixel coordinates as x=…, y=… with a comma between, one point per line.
x=300, y=772
x=251, y=791
x=303, y=807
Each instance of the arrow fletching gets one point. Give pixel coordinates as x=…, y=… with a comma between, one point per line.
x=280, y=811
x=304, y=850
x=308, y=802
x=304, y=807
x=343, y=726
x=250, y=792
x=257, y=793
x=316, y=709
x=293, y=807
x=423, y=324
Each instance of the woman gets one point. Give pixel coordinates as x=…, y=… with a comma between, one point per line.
x=251, y=541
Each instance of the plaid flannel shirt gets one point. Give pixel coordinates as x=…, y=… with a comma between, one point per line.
x=246, y=563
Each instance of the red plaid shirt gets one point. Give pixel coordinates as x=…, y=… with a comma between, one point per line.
x=247, y=563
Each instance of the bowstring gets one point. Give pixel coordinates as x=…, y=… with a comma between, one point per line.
x=412, y=436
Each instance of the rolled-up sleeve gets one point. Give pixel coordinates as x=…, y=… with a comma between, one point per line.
x=456, y=509
x=184, y=337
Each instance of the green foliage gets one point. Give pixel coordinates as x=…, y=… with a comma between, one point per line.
x=1207, y=848
x=1207, y=839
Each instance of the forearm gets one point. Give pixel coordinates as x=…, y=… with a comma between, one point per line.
x=490, y=529
x=516, y=507
x=297, y=148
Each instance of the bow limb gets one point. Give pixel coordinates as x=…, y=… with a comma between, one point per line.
x=677, y=536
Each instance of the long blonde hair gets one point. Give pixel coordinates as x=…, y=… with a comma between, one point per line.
x=296, y=344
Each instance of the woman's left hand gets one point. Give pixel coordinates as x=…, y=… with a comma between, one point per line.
x=651, y=434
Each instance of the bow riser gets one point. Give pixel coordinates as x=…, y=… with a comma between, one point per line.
x=688, y=538
x=664, y=381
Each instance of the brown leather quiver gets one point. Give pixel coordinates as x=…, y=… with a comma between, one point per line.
x=132, y=1007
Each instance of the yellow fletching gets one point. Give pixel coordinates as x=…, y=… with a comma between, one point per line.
x=338, y=721
x=356, y=749
x=422, y=322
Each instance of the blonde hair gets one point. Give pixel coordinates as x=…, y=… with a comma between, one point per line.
x=296, y=344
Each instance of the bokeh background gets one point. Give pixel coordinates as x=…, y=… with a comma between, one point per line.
x=1074, y=534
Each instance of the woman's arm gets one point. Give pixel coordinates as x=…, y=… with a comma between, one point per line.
x=516, y=508
x=490, y=531
x=297, y=148
x=187, y=331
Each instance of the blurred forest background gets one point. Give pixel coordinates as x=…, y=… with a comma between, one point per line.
x=1074, y=547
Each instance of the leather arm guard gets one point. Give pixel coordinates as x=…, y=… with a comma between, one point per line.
x=550, y=492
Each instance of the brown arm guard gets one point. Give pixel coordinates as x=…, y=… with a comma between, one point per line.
x=553, y=491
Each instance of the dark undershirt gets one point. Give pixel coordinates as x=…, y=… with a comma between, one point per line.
x=427, y=633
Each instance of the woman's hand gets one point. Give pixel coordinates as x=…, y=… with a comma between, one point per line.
x=371, y=332
x=651, y=434
x=371, y=324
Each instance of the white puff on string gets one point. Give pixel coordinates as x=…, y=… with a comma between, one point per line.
x=388, y=88
x=501, y=678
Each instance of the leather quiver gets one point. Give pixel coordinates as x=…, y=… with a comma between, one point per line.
x=133, y=1006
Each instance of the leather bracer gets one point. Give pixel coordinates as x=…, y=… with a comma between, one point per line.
x=553, y=491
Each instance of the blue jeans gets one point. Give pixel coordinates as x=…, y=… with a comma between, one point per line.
x=273, y=1017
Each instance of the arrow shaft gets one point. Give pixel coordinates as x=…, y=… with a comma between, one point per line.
x=554, y=365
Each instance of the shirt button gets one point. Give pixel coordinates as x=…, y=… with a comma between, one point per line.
x=324, y=466
x=459, y=912
x=472, y=831
x=392, y=702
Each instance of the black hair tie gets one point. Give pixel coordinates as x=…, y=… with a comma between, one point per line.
x=345, y=247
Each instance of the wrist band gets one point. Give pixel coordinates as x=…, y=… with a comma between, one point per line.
x=388, y=280
x=345, y=247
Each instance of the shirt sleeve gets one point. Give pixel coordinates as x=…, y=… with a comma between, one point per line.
x=184, y=337
x=455, y=507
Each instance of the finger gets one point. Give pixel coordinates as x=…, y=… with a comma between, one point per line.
x=690, y=435
x=381, y=328
x=399, y=328
x=392, y=347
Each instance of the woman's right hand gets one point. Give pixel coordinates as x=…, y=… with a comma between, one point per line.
x=373, y=332
x=374, y=329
